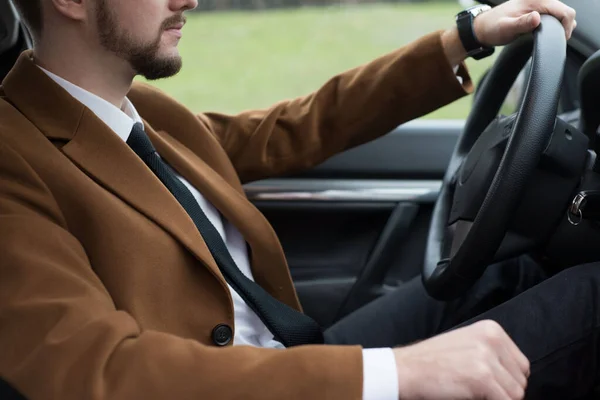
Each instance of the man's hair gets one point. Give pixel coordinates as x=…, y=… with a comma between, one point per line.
x=31, y=12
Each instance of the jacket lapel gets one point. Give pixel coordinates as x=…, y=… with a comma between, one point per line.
x=104, y=156
x=269, y=266
x=99, y=152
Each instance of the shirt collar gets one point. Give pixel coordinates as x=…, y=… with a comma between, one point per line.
x=121, y=121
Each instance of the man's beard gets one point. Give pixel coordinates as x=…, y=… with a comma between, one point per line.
x=143, y=58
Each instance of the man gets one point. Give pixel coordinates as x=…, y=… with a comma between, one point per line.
x=132, y=263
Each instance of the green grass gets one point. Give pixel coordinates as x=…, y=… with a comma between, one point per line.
x=241, y=60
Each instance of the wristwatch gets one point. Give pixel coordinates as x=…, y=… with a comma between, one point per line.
x=465, y=23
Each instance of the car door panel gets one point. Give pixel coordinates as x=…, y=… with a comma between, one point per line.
x=355, y=226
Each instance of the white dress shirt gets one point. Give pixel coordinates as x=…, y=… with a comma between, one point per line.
x=380, y=379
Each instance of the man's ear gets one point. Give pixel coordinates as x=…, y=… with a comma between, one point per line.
x=73, y=9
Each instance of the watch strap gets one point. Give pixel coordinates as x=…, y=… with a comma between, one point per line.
x=466, y=32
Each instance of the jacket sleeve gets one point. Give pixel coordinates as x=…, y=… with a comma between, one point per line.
x=62, y=337
x=350, y=109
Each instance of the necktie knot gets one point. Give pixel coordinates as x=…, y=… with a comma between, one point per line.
x=139, y=142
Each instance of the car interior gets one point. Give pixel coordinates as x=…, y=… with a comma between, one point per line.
x=13, y=37
x=416, y=201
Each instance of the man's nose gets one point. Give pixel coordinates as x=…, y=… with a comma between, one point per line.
x=184, y=5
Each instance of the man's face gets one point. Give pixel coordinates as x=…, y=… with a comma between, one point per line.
x=143, y=32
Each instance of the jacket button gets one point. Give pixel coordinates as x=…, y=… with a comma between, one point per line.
x=222, y=335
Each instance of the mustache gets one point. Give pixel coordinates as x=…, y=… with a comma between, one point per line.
x=173, y=21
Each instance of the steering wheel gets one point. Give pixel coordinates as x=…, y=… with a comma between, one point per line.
x=461, y=244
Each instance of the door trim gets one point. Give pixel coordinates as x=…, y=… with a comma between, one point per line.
x=343, y=190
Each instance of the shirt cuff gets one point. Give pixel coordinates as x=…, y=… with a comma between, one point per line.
x=460, y=79
x=380, y=375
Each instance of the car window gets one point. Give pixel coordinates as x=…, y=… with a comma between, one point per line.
x=517, y=91
x=251, y=54
x=569, y=96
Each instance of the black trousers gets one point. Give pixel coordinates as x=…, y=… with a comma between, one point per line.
x=554, y=321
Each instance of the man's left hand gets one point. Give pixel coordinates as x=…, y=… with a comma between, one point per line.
x=508, y=21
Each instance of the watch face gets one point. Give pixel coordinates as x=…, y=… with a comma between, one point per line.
x=473, y=11
x=462, y=14
x=476, y=10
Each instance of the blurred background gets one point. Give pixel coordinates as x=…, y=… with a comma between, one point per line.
x=248, y=54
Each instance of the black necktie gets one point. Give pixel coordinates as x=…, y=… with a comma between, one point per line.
x=289, y=326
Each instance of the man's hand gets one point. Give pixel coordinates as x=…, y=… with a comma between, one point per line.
x=479, y=361
x=503, y=24
x=506, y=22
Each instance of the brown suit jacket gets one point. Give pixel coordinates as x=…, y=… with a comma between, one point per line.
x=107, y=290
